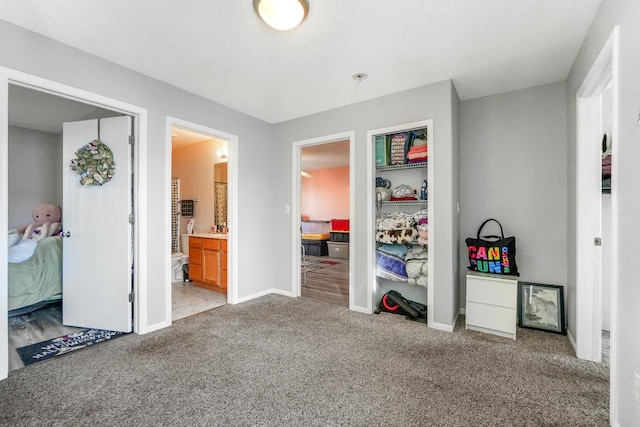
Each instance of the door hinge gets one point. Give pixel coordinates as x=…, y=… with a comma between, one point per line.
x=597, y=241
x=132, y=297
x=132, y=139
x=132, y=218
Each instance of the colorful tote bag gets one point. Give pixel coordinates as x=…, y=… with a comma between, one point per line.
x=491, y=253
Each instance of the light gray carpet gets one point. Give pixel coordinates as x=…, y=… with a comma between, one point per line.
x=279, y=361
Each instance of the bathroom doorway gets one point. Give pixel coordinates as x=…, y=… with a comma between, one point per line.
x=199, y=221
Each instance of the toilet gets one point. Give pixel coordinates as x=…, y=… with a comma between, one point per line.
x=179, y=259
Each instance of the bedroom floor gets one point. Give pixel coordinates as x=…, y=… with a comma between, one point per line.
x=37, y=326
x=327, y=282
x=46, y=323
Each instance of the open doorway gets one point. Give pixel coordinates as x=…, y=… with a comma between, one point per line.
x=596, y=206
x=322, y=209
x=198, y=222
x=36, y=166
x=201, y=216
x=597, y=213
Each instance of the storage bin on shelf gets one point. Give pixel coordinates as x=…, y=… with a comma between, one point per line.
x=315, y=247
x=338, y=250
x=339, y=225
x=316, y=226
x=339, y=236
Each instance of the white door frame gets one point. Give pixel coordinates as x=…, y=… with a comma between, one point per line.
x=296, y=240
x=11, y=76
x=371, y=216
x=232, y=203
x=588, y=339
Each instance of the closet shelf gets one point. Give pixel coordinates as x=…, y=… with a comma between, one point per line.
x=403, y=166
x=404, y=202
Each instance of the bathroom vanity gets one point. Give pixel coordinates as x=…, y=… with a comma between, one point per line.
x=208, y=261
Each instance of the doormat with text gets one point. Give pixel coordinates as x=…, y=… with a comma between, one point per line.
x=65, y=344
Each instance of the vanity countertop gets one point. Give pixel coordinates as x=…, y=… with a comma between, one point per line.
x=210, y=235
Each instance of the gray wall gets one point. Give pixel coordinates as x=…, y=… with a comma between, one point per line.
x=35, y=174
x=37, y=55
x=513, y=168
x=427, y=102
x=626, y=316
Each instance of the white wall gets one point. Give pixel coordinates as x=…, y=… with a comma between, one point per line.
x=31, y=53
x=626, y=315
x=35, y=173
x=513, y=168
x=426, y=102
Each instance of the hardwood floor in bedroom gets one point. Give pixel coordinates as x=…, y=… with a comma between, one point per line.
x=37, y=326
x=325, y=281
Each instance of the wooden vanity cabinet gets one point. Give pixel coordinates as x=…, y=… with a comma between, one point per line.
x=195, y=259
x=208, y=263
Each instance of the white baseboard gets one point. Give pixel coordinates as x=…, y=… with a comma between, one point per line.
x=264, y=293
x=363, y=310
x=573, y=342
x=440, y=326
x=154, y=327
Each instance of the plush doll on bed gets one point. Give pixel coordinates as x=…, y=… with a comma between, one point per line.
x=46, y=223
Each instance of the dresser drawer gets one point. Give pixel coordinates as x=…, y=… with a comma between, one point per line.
x=195, y=242
x=211, y=244
x=493, y=291
x=500, y=319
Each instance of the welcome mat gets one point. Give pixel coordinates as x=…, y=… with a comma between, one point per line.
x=65, y=344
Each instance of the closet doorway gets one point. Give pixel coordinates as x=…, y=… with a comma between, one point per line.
x=323, y=203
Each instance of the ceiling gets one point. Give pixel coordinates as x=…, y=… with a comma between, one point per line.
x=325, y=156
x=219, y=49
x=31, y=109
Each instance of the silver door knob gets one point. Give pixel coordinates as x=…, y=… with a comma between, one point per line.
x=65, y=234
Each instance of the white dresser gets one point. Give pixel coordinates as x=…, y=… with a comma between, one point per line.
x=492, y=304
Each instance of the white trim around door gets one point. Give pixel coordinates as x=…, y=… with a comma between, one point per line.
x=296, y=243
x=10, y=76
x=587, y=341
x=232, y=210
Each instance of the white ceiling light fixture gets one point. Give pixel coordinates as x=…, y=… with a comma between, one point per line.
x=282, y=14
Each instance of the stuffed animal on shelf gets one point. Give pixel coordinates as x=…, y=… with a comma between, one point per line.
x=46, y=223
x=423, y=235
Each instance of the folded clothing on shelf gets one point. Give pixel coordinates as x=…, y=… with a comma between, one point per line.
x=417, y=154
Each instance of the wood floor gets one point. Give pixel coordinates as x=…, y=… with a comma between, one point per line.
x=329, y=283
x=37, y=326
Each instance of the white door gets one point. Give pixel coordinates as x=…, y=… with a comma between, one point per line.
x=588, y=229
x=97, y=253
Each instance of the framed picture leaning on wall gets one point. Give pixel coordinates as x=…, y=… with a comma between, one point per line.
x=541, y=307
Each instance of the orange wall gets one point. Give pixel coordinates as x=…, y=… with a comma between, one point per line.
x=194, y=165
x=326, y=195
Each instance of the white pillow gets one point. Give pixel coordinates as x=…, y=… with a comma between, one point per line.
x=13, y=237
